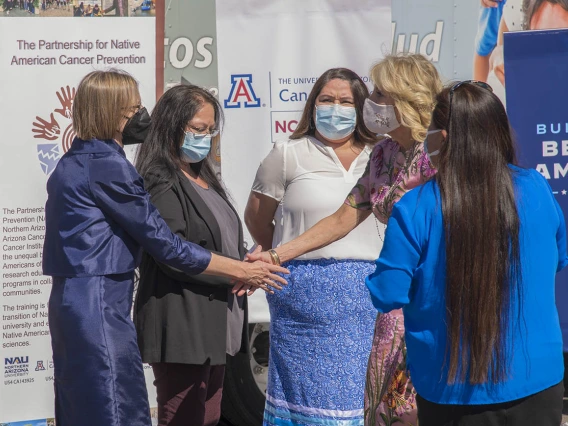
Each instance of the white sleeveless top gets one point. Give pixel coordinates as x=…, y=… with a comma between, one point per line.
x=310, y=183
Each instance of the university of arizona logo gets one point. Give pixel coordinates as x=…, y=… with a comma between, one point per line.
x=56, y=132
x=242, y=92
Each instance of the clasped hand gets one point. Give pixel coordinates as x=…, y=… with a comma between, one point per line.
x=262, y=274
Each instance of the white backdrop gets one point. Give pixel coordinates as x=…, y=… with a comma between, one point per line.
x=281, y=47
x=272, y=53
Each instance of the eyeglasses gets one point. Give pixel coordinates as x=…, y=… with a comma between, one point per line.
x=481, y=84
x=211, y=132
x=134, y=109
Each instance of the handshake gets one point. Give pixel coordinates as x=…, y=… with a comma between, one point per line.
x=260, y=269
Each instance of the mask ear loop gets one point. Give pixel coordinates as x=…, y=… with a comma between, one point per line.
x=428, y=133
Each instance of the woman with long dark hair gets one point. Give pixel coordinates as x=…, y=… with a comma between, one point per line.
x=98, y=218
x=188, y=324
x=471, y=256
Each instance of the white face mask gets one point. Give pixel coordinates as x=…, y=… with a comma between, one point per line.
x=379, y=119
x=433, y=153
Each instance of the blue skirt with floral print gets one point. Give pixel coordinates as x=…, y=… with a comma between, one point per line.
x=321, y=332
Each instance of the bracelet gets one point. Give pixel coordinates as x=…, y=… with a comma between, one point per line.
x=274, y=256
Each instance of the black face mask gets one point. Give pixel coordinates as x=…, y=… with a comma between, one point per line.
x=136, y=128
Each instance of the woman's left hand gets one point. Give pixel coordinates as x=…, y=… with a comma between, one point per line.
x=240, y=288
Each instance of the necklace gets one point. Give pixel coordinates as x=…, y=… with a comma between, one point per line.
x=378, y=231
x=409, y=154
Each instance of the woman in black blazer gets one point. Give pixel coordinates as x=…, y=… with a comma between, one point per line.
x=187, y=324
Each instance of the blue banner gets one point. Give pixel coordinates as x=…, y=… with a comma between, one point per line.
x=536, y=83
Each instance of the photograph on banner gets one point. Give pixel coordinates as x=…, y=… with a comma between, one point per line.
x=499, y=17
x=20, y=8
x=465, y=39
x=76, y=8
x=41, y=422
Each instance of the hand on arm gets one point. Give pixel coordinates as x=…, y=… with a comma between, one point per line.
x=119, y=192
x=255, y=274
x=241, y=288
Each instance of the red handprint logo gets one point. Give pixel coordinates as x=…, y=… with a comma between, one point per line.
x=46, y=130
x=55, y=136
x=66, y=96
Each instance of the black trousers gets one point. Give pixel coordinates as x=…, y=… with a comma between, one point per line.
x=188, y=394
x=541, y=409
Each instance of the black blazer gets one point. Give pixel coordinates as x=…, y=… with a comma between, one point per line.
x=181, y=318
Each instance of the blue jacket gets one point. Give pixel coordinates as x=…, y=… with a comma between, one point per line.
x=99, y=217
x=411, y=274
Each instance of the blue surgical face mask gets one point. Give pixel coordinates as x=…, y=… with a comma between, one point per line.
x=335, y=122
x=196, y=147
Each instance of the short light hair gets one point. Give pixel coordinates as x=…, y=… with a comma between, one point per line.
x=413, y=82
x=102, y=101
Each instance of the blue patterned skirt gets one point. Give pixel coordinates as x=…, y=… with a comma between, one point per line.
x=321, y=333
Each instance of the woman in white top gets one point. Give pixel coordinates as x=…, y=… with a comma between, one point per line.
x=321, y=327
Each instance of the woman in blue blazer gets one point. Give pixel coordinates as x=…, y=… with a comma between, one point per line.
x=471, y=257
x=98, y=220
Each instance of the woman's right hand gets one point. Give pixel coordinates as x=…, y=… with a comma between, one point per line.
x=258, y=257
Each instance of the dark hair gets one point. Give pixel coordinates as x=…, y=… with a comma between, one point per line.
x=306, y=126
x=531, y=6
x=481, y=226
x=160, y=156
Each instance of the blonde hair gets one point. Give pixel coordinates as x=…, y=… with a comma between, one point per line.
x=102, y=101
x=413, y=83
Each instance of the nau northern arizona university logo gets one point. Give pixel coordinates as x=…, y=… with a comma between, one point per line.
x=55, y=132
x=242, y=92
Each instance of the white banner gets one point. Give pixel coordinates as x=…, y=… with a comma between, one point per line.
x=41, y=62
x=270, y=55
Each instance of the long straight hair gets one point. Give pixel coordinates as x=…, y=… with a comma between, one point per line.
x=160, y=156
x=481, y=226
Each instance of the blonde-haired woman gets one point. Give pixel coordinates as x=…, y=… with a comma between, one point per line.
x=98, y=219
x=400, y=106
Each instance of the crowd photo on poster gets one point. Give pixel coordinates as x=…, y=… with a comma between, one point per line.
x=77, y=8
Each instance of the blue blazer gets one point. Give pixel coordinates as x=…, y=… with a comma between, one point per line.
x=99, y=217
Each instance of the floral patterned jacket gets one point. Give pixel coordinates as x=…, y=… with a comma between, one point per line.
x=390, y=173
